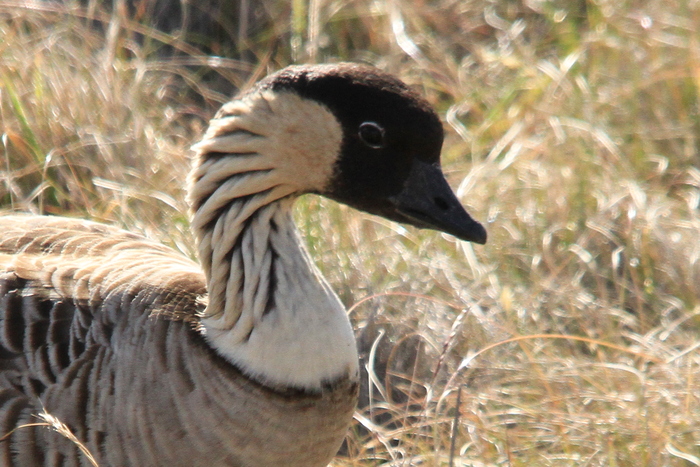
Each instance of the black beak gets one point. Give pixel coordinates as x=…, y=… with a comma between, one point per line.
x=427, y=201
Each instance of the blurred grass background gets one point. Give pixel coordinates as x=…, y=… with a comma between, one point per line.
x=570, y=339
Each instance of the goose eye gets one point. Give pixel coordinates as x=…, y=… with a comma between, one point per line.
x=372, y=135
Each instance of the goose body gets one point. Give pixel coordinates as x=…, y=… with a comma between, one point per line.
x=246, y=359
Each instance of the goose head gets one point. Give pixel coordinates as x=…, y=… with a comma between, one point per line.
x=346, y=131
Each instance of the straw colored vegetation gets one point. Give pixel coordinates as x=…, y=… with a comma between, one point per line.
x=571, y=338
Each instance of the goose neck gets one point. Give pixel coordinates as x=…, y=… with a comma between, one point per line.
x=269, y=311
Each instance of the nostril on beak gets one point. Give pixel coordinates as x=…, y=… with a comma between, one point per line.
x=441, y=203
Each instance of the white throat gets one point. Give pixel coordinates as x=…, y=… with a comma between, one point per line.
x=270, y=312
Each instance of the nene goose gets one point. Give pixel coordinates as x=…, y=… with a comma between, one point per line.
x=247, y=359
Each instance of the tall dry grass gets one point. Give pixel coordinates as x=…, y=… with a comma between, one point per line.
x=570, y=339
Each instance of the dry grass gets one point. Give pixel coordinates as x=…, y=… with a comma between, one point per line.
x=570, y=339
x=53, y=423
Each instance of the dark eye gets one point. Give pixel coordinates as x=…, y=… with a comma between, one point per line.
x=372, y=135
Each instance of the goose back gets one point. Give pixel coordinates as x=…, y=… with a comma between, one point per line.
x=112, y=357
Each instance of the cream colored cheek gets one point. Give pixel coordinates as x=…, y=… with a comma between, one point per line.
x=312, y=145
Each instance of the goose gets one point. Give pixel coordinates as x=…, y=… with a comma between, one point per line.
x=246, y=358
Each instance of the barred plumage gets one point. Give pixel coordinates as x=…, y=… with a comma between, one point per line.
x=247, y=359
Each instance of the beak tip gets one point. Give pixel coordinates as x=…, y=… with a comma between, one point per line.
x=475, y=233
